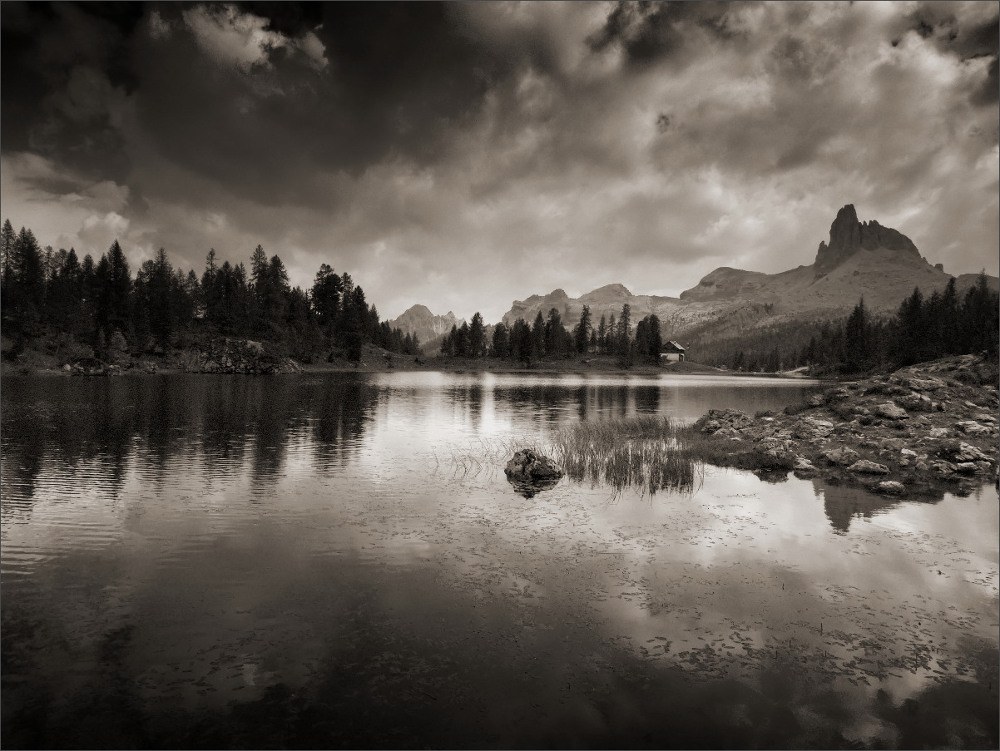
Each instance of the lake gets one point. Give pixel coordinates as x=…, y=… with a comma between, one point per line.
x=337, y=560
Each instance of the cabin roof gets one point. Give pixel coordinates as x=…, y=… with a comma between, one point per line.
x=670, y=347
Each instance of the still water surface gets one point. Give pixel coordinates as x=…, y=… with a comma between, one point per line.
x=337, y=560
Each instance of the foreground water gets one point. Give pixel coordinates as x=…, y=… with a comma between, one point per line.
x=338, y=561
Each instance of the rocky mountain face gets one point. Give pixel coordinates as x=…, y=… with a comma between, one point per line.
x=421, y=321
x=605, y=301
x=848, y=236
x=861, y=259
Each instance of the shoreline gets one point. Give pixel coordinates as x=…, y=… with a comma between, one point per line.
x=920, y=431
x=409, y=364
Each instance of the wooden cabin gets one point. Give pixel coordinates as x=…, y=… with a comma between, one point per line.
x=672, y=352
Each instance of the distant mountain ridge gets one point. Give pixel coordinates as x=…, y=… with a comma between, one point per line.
x=429, y=328
x=861, y=259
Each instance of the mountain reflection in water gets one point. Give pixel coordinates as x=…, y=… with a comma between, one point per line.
x=338, y=560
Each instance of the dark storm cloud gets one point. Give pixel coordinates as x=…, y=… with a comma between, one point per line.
x=399, y=80
x=649, y=32
x=400, y=77
x=437, y=151
x=939, y=23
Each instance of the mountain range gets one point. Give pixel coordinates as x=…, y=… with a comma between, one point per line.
x=429, y=328
x=860, y=259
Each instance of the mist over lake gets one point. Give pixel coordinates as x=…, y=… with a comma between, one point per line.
x=337, y=560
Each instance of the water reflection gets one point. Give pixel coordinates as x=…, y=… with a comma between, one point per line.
x=63, y=424
x=842, y=504
x=292, y=561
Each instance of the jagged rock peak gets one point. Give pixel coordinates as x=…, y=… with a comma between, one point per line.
x=848, y=236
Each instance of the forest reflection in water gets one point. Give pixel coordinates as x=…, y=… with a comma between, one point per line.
x=294, y=561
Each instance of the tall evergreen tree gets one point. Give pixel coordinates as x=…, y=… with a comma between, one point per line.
x=554, y=333
x=538, y=337
x=655, y=340
x=522, y=344
x=857, y=338
x=8, y=237
x=448, y=343
x=624, y=336
x=326, y=293
x=582, y=332
x=477, y=336
x=501, y=341
x=114, y=289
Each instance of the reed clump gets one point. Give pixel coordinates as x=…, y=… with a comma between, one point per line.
x=641, y=452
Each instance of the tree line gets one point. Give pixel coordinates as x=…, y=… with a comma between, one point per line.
x=550, y=337
x=923, y=328
x=54, y=294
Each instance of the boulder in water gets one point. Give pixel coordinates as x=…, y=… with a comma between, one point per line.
x=530, y=472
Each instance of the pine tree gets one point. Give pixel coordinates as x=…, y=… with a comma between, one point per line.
x=326, y=293
x=521, y=341
x=624, y=336
x=554, y=333
x=911, y=329
x=583, y=331
x=655, y=340
x=501, y=341
x=538, y=337
x=114, y=289
x=8, y=237
x=857, y=338
x=477, y=336
x=642, y=338
x=448, y=343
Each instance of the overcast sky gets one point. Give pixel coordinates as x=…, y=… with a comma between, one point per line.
x=464, y=155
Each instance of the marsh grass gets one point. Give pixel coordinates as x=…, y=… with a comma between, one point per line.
x=646, y=453
x=641, y=452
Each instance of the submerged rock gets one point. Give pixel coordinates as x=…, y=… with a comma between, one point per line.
x=530, y=472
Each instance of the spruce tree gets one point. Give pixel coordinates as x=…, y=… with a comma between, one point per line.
x=114, y=289
x=582, y=333
x=655, y=340
x=501, y=341
x=538, y=337
x=477, y=336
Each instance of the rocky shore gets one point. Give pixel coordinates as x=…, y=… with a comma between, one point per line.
x=237, y=356
x=918, y=431
x=240, y=356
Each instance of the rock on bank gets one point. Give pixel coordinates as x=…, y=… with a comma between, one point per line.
x=912, y=432
x=237, y=356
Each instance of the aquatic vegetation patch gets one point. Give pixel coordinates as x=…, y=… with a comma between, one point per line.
x=641, y=452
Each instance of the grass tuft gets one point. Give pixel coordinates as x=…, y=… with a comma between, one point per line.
x=640, y=452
